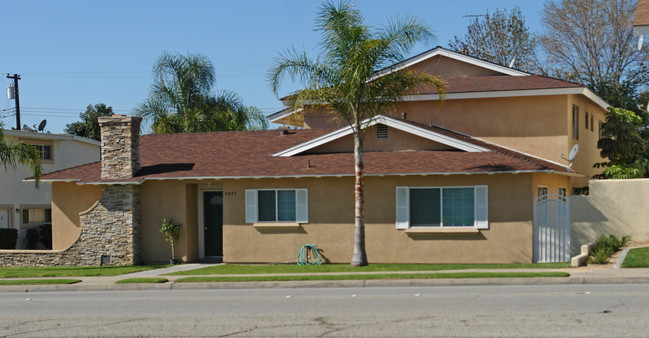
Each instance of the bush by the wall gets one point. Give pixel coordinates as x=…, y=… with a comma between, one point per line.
x=32, y=237
x=8, y=238
x=46, y=236
x=605, y=247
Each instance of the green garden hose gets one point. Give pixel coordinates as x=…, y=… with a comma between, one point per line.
x=309, y=255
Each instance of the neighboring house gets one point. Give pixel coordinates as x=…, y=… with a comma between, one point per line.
x=641, y=20
x=22, y=204
x=449, y=183
x=536, y=115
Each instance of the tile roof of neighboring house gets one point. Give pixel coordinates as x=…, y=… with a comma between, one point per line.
x=248, y=154
x=642, y=13
x=500, y=83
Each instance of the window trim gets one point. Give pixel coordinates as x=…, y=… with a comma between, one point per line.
x=575, y=122
x=41, y=143
x=10, y=209
x=26, y=225
x=301, y=206
x=480, y=207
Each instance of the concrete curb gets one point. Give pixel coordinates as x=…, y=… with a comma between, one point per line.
x=331, y=284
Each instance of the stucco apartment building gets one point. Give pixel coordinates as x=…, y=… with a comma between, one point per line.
x=22, y=204
x=449, y=183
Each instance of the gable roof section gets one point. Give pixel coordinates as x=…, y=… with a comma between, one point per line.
x=390, y=122
x=248, y=154
x=452, y=55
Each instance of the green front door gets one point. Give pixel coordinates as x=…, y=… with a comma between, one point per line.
x=213, y=222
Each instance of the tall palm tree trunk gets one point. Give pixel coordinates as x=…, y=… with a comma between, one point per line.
x=360, y=257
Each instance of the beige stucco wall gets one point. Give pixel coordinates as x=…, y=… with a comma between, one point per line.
x=588, y=154
x=397, y=141
x=617, y=207
x=446, y=67
x=165, y=199
x=331, y=215
x=68, y=200
x=552, y=182
x=537, y=125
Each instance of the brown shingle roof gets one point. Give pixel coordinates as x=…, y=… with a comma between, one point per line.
x=248, y=154
x=500, y=83
x=642, y=13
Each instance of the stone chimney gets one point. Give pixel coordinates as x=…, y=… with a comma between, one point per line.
x=120, y=146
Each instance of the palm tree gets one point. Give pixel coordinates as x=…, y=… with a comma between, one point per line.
x=181, y=100
x=12, y=154
x=354, y=77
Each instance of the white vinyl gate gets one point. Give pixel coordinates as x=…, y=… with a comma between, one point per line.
x=551, y=228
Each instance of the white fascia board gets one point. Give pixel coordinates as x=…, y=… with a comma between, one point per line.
x=282, y=114
x=390, y=122
x=641, y=30
x=452, y=55
x=48, y=137
x=512, y=93
x=430, y=135
x=331, y=175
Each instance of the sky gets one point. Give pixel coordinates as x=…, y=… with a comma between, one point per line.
x=70, y=54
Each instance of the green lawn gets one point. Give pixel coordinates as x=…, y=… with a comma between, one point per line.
x=264, y=269
x=77, y=271
x=38, y=281
x=142, y=280
x=637, y=258
x=512, y=274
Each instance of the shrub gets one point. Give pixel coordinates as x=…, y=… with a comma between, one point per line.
x=32, y=237
x=46, y=235
x=8, y=238
x=605, y=247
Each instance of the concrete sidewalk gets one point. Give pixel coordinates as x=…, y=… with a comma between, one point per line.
x=593, y=274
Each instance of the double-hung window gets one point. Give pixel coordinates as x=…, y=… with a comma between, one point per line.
x=276, y=205
x=36, y=215
x=442, y=207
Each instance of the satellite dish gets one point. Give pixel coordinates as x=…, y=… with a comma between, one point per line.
x=41, y=126
x=573, y=152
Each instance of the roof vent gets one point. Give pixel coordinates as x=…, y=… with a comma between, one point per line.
x=381, y=131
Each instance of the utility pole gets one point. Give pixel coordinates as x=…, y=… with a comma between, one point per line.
x=16, y=77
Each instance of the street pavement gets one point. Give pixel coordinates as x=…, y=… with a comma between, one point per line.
x=592, y=274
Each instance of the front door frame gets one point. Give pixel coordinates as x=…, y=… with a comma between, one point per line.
x=201, y=219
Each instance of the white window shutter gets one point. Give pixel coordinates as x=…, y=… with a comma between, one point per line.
x=302, y=205
x=251, y=206
x=403, y=208
x=481, y=207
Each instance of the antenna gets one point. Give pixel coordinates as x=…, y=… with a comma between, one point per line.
x=41, y=126
x=473, y=15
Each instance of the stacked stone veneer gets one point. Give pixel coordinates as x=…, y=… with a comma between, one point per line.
x=120, y=146
x=110, y=234
x=110, y=230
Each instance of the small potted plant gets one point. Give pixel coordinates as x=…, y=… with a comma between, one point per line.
x=171, y=232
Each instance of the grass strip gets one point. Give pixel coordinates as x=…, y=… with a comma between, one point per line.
x=73, y=271
x=142, y=280
x=244, y=269
x=637, y=258
x=38, y=281
x=210, y=279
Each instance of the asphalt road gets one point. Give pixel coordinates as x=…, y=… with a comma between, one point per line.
x=528, y=310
